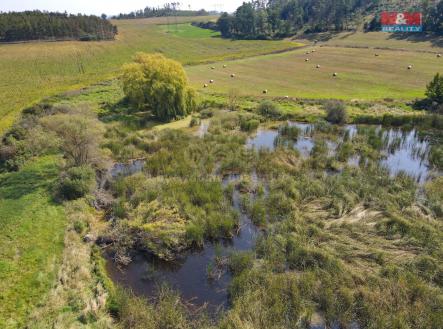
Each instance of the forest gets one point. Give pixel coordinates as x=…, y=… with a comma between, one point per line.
x=167, y=10
x=282, y=18
x=38, y=25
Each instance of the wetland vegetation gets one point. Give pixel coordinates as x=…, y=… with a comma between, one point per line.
x=245, y=197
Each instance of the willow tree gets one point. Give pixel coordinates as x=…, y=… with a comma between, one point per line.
x=155, y=83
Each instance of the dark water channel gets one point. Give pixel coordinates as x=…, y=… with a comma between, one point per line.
x=189, y=273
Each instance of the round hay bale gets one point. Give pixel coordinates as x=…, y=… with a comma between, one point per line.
x=212, y=67
x=410, y=67
x=232, y=75
x=334, y=74
x=205, y=85
x=438, y=55
x=318, y=66
x=265, y=91
x=211, y=81
x=224, y=66
x=307, y=60
x=376, y=55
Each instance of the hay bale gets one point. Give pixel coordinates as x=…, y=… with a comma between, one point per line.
x=410, y=67
x=224, y=66
x=334, y=74
x=376, y=55
x=232, y=75
x=205, y=85
x=212, y=67
x=313, y=51
x=211, y=81
x=318, y=66
x=265, y=91
x=307, y=60
x=438, y=55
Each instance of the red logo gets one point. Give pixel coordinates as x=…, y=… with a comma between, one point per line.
x=405, y=18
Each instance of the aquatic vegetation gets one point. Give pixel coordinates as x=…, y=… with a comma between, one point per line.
x=330, y=232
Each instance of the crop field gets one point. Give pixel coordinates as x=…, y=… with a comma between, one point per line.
x=31, y=71
x=360, y=74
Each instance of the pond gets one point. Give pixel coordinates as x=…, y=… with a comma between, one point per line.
x=189, y=273
x=402, y=150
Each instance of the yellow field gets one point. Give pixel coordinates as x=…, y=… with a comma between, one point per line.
x=360, y=74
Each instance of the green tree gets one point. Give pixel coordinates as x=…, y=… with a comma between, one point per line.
x=434, y=90
x=158, y=84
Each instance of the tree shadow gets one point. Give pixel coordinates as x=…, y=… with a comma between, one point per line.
x=15, y=185
x=435, y=40
x=125, y=114
x=319, y=36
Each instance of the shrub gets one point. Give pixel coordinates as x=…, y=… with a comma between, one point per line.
x=269, y=109
x=249, y=124
x=434, y=90
x=76, y=182
x=336, y=112
x=195, y=121
x=153, y=82
x=80, y=134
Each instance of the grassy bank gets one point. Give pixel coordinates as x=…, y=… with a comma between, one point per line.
x=31, y=239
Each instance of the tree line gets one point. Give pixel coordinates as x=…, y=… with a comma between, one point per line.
x=166, y=10
x=269, y=19
x=38, y=25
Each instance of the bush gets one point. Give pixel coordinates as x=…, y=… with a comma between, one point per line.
x=249, y=125
x=195, y=121
x=153, y=82
x=269, y=110
x=434, y=90
x=336, y=112
x=76, y=182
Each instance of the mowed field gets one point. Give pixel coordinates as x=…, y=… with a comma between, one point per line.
x=360, y=74
x=32, y=71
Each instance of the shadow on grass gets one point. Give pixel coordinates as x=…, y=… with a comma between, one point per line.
x=434, y=39
x=123, y=113
x=15, y=185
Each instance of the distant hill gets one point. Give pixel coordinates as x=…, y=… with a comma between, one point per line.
x=282, y=18
x=37, y=25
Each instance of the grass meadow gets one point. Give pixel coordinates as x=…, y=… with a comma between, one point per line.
x=31, y=71
x=31, y=239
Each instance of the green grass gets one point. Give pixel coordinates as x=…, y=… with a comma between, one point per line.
x=31, y=239
x=31, y=71
x=361, y=75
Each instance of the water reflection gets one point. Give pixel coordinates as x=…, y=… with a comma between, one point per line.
x=189, y=273
x=402, y=151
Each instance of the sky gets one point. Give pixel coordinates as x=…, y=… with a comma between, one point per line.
x=112, y=7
